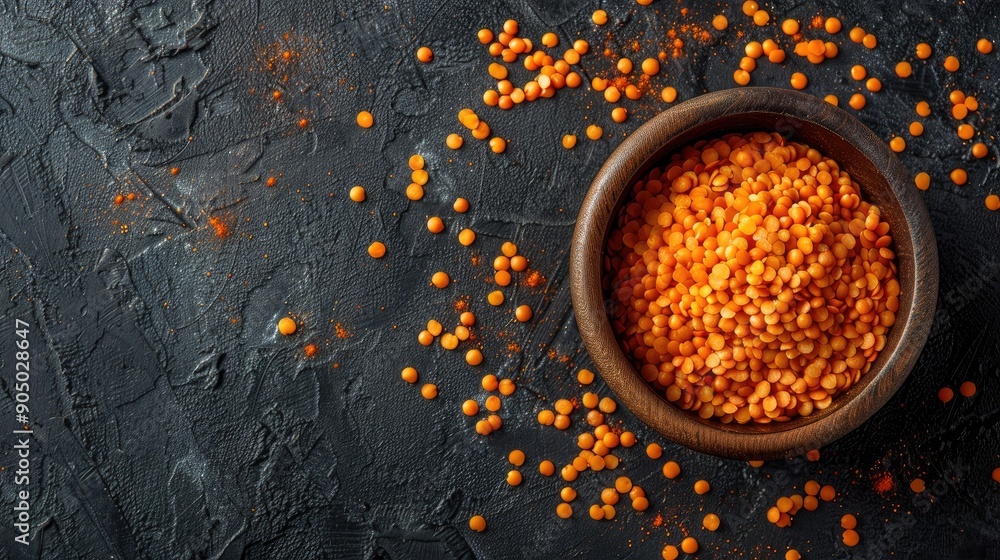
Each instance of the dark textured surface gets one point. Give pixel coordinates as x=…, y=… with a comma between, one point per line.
x=172, y=422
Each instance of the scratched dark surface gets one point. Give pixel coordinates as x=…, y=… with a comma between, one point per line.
x=171, y=421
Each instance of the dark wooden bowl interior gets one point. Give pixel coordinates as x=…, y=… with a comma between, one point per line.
x=884, y=182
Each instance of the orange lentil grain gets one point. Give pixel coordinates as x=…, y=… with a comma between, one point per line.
x=922, y=180
x=959, y=176
x=992, y=202
x=365, y=120
x=376, y=250
x=850, y=537
x=429, y=391
x=466, y=237
x=967, y=389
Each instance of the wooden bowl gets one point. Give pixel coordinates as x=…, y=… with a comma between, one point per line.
x=884, y=182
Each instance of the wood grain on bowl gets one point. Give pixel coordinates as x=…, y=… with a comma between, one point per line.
x=884, y=182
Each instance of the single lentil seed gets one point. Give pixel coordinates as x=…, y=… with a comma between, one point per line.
x=992, y=202
x=850, y=537
x=429, y=391
x=523, y=313
x=470, y=408
x=959, y=176
x=967, y=389
x=514, y=478
x=564, y=510
x=376, y=250
x=495, y=298
x=922, y=180
x=365, y=120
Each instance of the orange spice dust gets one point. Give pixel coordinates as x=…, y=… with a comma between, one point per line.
x=342, y=332
x=220, y=227
x=884, y=483
x=534, y=279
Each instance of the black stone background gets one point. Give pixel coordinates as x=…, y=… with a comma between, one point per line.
x=172, y=422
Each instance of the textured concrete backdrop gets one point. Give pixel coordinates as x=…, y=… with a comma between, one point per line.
x=172, y=422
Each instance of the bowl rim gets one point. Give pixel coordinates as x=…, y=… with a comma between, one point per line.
x=587, y=250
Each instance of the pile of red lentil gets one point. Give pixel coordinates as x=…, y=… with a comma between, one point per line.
x=754, y=282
